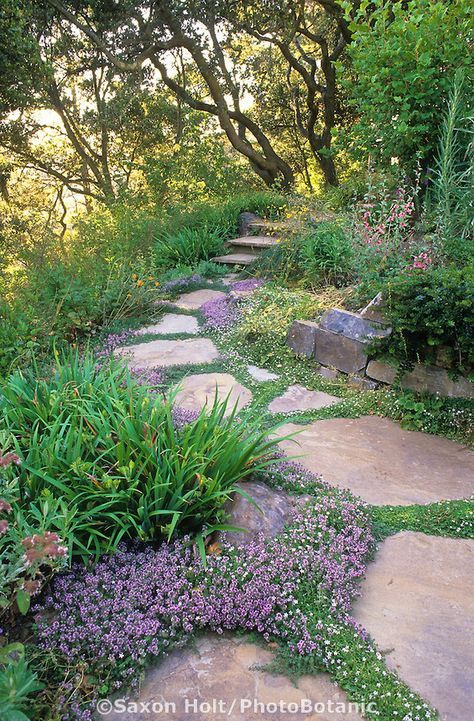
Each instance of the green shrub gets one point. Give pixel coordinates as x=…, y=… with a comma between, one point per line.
x=96, y=439
x=326, y=255
x=431, y=308
x=188, y=246
x=403, y=57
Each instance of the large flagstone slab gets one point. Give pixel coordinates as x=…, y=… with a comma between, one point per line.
x=381, y=462
x=169, y=352
x=197, y=298
x=299, y=398
x=220, y=679
x=173, y=323
x=199, y=390
x=418, y=605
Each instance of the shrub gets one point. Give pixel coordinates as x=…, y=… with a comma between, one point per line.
x=403, y=56
x=326, y=255
x=188, y=246
x=431, y=308
x=99, y=441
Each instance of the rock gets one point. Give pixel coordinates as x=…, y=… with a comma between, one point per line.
x=199, y=390
x=382, y=463
x=298, y=398
x=417, y=604
x=158, y=353
x=345, y=354
x=173, y=323
x=374, y=310
x=365, y=384
x=273, y=512
x=229, y=670
x=261, y=374
x=329, y=373
x=423, y=379
x=352, y=325
x=383, y=372
x=301, y=337
x=197, y=298
x=245, y=222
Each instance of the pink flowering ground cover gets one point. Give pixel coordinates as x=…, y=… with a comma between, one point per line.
x=141, y=602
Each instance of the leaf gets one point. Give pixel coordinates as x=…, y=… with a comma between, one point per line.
x=23, y=601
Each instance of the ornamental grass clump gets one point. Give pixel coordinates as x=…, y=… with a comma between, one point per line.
x=129, y=465
x=138, y=604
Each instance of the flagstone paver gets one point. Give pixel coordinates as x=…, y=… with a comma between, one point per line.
x=197, y=298
x=298, y=398
x=158, y=353
x=381, y=462
x=418, y=605
x=228, y=670
x=199, y=390
x=173, y=323
x=261, y=374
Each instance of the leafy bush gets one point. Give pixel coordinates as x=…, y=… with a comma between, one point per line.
x=403, y=57
x=99, y=441
x=326, y=255
x=431, y=308
x=188, y=246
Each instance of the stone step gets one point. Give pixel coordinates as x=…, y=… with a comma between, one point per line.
x=269, y=225
x=258, y=242
x=235, y=259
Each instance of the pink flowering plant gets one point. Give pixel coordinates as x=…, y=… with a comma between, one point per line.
x=28, y=555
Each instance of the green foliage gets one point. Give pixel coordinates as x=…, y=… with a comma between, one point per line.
x=431, y=308
x=188, y=246
x=109, y=449
x=404, y=56
x=453, y=179
x=446, y=518
x=17, y=683
x=268, y=313
x=414, y=409
x=326, y=255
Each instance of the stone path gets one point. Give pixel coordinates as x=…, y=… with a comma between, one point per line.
x=169, y=352
x=197, y=298
x=261, y=374
x=199, y=390
x=173, y=323
x=417, y=602
x=298, y=398
x=382, y=463
x=227, y=669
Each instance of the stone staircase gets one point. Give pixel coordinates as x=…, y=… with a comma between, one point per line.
x=245, y=249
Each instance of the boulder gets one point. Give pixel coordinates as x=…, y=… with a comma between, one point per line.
x=329, y=373
x=352, y=325
x=423, y=379
x=345, y=354
x=301, y=337
x=272, y=511
x=380, y=371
